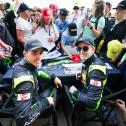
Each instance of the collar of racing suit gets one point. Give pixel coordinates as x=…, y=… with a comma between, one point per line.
x=28, y=65
x=89, y=61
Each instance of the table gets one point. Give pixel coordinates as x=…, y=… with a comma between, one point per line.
x=58, y=70
x=112, y=71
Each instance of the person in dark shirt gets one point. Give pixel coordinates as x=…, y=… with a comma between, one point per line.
x=92, y=78
x=27, y=102
x=116, y=28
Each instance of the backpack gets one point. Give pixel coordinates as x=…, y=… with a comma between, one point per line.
x=100, y=40
x=96, y=22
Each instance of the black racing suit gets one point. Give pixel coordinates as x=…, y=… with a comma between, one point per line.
x=93, y=79
x=28, y=104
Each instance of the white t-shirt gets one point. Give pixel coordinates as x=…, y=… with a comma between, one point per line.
x=42, y=35
x=24, y=25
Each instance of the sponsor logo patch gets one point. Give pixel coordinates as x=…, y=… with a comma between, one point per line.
x=23, y=97
x=84, y=74
x=95, y=83
x=33, y=118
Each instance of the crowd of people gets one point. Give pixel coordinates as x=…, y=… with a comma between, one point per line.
x=27, y=33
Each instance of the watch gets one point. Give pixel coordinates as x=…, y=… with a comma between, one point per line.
x=91, y=27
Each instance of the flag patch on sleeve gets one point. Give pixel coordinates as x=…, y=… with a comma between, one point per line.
x=95, y=83
x=23, y=97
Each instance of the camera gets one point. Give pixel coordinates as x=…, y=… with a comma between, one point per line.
x=7, y=53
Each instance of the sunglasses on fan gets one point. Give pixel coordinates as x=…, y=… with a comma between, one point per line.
x=84, y=48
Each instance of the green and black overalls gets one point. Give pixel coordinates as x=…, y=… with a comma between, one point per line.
x=93, y=80
x=28, y=104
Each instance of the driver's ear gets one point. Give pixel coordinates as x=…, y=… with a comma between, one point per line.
x=94, y=48
x=24, y=53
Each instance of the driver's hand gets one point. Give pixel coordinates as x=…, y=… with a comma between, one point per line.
x=57, y=82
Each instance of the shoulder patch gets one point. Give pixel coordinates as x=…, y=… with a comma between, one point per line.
x=95, y=83
x=23, y=97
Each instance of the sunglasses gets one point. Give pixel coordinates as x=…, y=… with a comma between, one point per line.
x=76, y=8
x=84, y=48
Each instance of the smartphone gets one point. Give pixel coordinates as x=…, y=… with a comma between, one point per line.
x=6, y=52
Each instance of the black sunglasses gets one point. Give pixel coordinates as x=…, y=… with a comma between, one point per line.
x=84, y=48
x=76, y=8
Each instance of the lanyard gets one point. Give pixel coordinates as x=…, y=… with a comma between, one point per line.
x=46, y=30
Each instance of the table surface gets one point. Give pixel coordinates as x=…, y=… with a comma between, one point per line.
x=58, y=70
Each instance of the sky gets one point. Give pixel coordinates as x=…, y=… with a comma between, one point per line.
x=63, y=3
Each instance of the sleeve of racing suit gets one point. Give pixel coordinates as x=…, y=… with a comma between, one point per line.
x=94, y=90
x=27, y=106
x=46, y=75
